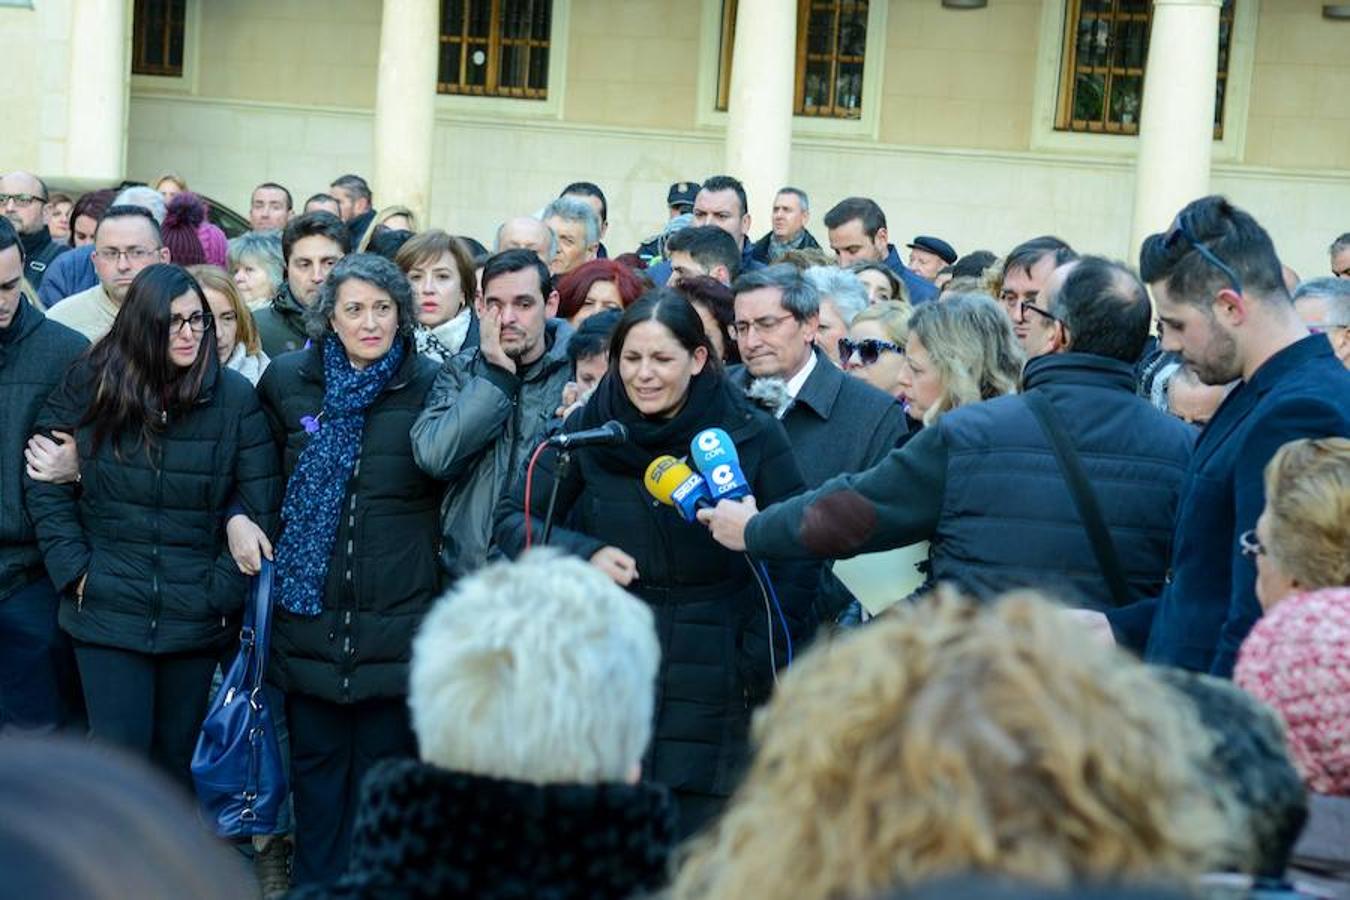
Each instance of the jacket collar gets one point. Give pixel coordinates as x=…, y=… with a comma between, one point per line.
x=821, y=388
x=285, y=302
x=311, y=366
x=1078, y=368
x=27, y=318
x=35, y=243
x=456, y=834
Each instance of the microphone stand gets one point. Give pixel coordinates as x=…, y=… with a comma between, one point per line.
x=564, y=463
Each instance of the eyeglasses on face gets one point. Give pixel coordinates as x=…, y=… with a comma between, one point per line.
x=21, y=199
x=869, y=350
x=1024, y=307
x=1251, y=545
x=1181, y=233
x=135, y=254
x=763, y=325
x=196, y=323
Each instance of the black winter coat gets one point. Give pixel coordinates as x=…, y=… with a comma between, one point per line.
x=427, y=832
x=35, y=353
x=710, y=616
x=148, y=527
x=383, y=573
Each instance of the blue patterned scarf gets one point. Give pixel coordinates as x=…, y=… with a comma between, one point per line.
x=313, y=505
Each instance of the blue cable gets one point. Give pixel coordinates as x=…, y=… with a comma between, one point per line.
x=777, y=608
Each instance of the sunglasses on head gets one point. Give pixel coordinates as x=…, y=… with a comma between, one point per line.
x=1182, y=235
x=869, y=350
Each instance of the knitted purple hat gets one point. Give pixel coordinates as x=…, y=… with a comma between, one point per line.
x=214, y=244
x=186, y=211
x=1297, y=659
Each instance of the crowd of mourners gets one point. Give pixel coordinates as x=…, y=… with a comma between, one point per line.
x=557, y=539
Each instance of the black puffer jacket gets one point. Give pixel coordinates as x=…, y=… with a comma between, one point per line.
x=710, y=616
x=148, y=528
x=34, y=355
x=383, y=573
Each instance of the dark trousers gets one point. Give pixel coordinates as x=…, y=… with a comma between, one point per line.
x=150, y=705
x=333, y=745
x=37, y=671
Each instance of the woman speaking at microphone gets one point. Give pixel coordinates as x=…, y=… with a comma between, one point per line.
x=665, y=386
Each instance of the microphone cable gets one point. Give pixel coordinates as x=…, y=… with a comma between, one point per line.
x=766, y=590
x=529, y=486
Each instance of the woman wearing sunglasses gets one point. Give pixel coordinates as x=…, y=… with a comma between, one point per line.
x=959, y=351
x=874, y=349
x=167, y=439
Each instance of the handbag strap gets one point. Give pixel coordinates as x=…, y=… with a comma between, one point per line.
x=1084, y=497
x=261, y=613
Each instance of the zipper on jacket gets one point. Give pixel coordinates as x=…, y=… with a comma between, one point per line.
x=155, y=598
x=348, y=562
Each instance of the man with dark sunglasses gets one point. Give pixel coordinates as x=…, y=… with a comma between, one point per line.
x=1223, y=306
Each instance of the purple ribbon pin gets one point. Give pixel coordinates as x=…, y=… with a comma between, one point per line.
x=310, y=424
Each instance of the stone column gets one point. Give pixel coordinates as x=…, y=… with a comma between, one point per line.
x=759, y=108
x=1176, y=122
x=100, y=78
x=405, y=104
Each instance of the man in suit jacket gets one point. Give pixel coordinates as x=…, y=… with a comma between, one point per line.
x=836, y=423
x=1223, y=305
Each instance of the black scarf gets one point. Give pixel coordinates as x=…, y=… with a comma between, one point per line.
x=708, y=403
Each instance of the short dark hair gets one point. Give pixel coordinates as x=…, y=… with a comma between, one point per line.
x=387, y=242
x=864, y=209
x=517, y=259
x=1105, y=308
x=374, y=270
x=353, y=183
x=800, y=296
x=127, y=211
x=9, y=237
x=92, y=204
x=1028, y=253
x=727, y=183
x=973, y=264
x=1228, y=233
x=716, y=297
x=592, y=337
x=323, y=224
x=800, y=194
x=277, y=187
x=709, y=246
x=588, y=189
x=321, y=197
x=672, y=310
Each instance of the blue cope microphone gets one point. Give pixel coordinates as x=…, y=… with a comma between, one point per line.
x=714, y=455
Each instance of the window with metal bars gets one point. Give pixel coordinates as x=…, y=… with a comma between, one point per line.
x=1101, y=86
x=157, y=37
x=495, y=48
x=831, y=43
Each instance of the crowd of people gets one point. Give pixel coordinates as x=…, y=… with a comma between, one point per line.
x=555, y=536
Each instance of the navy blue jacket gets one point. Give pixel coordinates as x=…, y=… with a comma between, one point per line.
x=983, y=486
x=921, y=290
x=1210, y=603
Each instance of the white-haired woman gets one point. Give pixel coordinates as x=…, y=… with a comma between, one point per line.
x=842, y=296
x=532, y=690
x=356, y=563
x=256, y=265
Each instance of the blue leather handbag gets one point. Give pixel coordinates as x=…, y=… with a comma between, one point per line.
x=237, y=766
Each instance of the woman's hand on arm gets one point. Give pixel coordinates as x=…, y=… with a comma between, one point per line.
x=55, y=459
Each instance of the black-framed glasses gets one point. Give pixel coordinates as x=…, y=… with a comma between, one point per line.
x=1026, y=307
x=1181, y=231
x=196, y=323
x=21, y=199
x=1251, y=545
x=869, y=350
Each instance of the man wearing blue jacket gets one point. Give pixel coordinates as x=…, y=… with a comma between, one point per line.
x=1222, y=304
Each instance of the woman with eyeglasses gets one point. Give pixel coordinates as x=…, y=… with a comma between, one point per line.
x=959, y=351
x=167, y=440
x=874, y=349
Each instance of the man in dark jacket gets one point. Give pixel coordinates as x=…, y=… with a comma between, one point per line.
x=1223, y=306
x=23, y=201
x=983, y=485
x=356, y=205
x=857, y=230
x=791, y=212
x=492, y=405
x=34, y=355
x=836, y=423
x=310, y=246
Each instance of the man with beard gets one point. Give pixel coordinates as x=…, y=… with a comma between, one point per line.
x=1223, y=305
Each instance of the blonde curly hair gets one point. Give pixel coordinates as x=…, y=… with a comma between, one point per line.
x=1308, y=508
x=949, y=738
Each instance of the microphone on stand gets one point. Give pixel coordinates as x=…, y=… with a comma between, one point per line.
x=607, y=435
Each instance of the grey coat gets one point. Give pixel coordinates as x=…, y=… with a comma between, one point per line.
x=479, y=427
x=837, y=424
